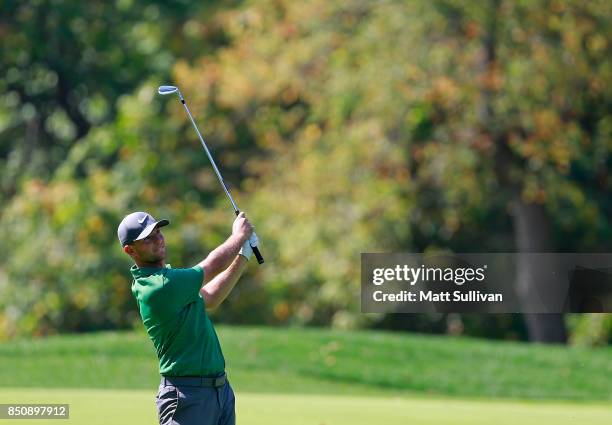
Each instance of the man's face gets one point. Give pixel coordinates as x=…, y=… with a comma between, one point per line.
x=151, y=249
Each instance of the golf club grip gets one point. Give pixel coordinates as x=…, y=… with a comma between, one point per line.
x=255, y=249
x=260, y=259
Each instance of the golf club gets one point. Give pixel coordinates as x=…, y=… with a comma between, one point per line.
x=163, y=90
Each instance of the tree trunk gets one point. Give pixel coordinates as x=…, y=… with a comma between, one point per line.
x=531, y=222
x=532, y=231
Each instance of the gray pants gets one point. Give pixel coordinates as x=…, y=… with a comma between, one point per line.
x=195, y=405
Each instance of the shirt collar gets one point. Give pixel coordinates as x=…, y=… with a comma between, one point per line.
x=145, y=271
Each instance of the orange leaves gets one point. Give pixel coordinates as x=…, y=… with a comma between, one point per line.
x=288, y=30
x=472, y=30
x=492, y=78
x=197, y=83
x=281, y=311
x=312, y=133
x=571, y=41
x=290, y=95
x=54, y=201
x=549, y=141
x=480, y=142
x=445, y=91
x=546, y=123
x=533, y=191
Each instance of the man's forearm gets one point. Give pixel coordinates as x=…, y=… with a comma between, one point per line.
x=217, y=290
x=220, y=258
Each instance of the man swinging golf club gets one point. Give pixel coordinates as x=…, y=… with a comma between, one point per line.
x=173, y=303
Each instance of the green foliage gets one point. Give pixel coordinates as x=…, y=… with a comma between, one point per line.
x=343, y=127
x=63, y=240
x=67, y=63
x=591, y=329
x=378, y=124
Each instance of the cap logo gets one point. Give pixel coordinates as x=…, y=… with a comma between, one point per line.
x=142, y=220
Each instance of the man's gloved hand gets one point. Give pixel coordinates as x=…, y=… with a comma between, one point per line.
x=253, y=240
x=241, y=226
x=246, y=251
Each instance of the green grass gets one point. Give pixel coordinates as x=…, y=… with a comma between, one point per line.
x=313, y=361
x=310, y=376
x=136, y=407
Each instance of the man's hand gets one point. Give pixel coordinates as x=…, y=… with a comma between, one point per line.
x=242, y=228
x=246, y=251
x=221, y=257
x=247, y=247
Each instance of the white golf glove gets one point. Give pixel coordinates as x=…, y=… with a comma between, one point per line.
x=246, y=251
x=253, y=241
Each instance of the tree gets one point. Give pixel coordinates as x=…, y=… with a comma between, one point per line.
x=343, y=127
x=67, y=63
x=415, y=126
x=71, y=136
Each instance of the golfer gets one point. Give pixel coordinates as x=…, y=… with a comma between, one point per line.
x=173, y=304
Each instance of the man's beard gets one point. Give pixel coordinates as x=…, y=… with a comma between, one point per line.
x=156, y=257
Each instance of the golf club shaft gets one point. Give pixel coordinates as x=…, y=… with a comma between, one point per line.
x=258, y=255
x=212, y=161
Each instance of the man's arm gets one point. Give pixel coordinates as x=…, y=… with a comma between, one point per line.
x=217, y=290
x=220, y=258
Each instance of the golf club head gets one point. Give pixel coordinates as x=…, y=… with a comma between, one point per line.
x=163, y=90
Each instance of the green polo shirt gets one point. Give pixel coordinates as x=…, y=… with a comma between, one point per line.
x=173, y=313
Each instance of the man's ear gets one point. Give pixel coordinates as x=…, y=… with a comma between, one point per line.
x=128, y=249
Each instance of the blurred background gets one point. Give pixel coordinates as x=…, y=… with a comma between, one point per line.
x=341, y=127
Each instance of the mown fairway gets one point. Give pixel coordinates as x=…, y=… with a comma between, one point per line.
x=298, y=376
x=135, y=407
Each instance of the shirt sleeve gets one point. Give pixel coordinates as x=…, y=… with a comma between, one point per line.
x=182, y=286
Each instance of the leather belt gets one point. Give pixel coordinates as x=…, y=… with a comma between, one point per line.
x=194, y=381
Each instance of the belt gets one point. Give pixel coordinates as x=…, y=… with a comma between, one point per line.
x=194, y=381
